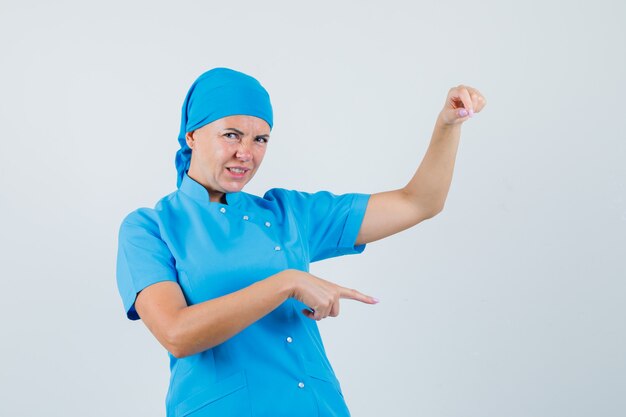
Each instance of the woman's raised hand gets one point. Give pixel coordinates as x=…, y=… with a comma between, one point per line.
x=321, y=296
x=462, y=103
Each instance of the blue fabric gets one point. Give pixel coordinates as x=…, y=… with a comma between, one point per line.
x=212, y=249
x=218, y=93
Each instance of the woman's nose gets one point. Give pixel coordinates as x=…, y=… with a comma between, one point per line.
x=243, y=152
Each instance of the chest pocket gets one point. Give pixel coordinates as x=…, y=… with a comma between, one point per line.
x=228, y=254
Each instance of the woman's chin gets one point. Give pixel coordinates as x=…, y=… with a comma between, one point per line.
x=233, y=187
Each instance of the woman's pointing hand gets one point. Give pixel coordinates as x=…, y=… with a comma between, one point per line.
x=321, y=296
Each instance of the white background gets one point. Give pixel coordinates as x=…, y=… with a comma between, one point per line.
x=508, y=303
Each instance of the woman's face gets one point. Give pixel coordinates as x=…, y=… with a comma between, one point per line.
x=226, y=153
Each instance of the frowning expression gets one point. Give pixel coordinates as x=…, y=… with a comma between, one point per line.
x=226, y=153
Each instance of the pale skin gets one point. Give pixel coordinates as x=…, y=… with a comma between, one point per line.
x=240, y=142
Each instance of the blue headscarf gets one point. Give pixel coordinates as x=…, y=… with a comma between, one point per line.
x=218, y=93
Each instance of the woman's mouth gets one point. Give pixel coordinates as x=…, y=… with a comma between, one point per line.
x=237, y=172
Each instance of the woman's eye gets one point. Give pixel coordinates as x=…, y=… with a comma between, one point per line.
x=262, y=140
x=231, y=135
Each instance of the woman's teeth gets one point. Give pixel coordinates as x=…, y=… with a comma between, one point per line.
x=237, y=170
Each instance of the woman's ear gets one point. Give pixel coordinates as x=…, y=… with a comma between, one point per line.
x=189, y=139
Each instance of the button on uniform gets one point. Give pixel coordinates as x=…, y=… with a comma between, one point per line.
x=289, y=339
x=246, y=217
x=268, y=224
x=300, y=384
x=277, y=248
x=223, y=210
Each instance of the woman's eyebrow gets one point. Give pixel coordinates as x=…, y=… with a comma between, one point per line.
x=241, y=133
x=236, y=130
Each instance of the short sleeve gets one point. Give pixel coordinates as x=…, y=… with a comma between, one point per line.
x=143, y=258
x=330, y=222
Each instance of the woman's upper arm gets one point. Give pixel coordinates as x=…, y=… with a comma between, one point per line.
x=388, y=213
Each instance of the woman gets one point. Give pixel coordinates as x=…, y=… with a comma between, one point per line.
x=220, y=277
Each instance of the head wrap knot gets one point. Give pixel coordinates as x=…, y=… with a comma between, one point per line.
x=218, y=93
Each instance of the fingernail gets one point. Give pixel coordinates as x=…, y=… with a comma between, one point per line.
x=375, y=300
x=462, y=112
x=471, y=113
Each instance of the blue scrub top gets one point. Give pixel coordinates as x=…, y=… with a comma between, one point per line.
x=278, y=365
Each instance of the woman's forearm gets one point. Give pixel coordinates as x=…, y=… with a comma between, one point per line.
x=202, y=326
x=186, y=330
x=433, y=177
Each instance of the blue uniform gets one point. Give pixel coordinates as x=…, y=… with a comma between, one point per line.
x=277, y=366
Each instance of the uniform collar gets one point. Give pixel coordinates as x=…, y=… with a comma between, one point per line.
x=196, y=191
